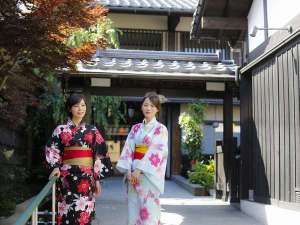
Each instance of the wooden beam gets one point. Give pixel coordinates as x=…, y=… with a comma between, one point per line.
x=169, y=93
x=223, y=23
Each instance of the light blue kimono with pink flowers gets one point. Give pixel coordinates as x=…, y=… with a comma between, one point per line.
x=143, y=198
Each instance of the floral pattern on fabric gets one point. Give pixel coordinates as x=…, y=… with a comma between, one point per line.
x=76, y=185
x=143, y=197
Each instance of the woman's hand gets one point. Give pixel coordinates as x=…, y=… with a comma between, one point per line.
x=55, y=172
x=135, y=176
x=98, y=188
x=128, y=177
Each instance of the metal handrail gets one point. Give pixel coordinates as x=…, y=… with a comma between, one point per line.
x=32, y=209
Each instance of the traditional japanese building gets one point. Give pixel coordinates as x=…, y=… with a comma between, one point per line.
x=267, y=34
x=156, y=54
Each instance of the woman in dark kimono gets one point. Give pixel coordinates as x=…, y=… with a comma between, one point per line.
x=76, y=154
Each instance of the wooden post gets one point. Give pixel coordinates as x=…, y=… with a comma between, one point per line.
x=173, y=21
x=162, y=116
x=175, y=140
x=245, y=147
x=228, y=139
x=171, y=41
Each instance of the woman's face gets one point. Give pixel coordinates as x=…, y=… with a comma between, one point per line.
x=78, y=110
x=149, y=110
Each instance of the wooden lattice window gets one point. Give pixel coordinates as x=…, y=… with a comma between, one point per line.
x=141, y=39
x=205, y=46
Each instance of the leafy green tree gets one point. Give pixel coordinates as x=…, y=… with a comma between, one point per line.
x=107, y=111
x=190, y=122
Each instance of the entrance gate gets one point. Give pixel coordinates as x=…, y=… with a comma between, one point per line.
x=178, y=76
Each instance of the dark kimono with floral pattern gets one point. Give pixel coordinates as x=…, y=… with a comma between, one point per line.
x=76, y=185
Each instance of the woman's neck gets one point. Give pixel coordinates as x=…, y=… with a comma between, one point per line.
x=76, y=121
x=148, y=120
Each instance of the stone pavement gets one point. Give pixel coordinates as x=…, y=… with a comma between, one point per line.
x=178, y=207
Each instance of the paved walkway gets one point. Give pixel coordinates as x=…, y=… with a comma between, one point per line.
x=178, y=207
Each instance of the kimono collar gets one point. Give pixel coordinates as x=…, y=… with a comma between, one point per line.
x=70, y=123
x=151, y=123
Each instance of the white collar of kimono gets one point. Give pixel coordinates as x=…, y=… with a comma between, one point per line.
x=71, y=123
x=152, y=122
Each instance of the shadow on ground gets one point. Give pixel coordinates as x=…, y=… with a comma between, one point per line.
x=178, y=207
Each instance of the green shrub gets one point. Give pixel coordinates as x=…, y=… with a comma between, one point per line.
x=12, y=187
x=203, y=174
x=190, y=123
x=7, y=207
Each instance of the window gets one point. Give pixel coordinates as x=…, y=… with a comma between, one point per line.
x=141, y=39
x=204, y=46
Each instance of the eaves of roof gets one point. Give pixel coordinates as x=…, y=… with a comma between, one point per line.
x=158, y=65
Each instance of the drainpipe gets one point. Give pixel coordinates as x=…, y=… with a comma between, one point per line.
x=237, y=75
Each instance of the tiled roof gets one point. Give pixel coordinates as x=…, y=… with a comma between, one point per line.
x=159, y=5
x=160, y=64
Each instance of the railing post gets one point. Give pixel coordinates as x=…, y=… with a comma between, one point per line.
x=34, y=217
x=32, y=209
x=53, y=203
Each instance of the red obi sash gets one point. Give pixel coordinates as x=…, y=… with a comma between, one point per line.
x=140, y=151
x=77, y=155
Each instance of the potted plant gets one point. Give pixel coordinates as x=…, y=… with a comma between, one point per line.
x=203, y=174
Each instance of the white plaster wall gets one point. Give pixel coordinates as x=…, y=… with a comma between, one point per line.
x=184, y=24
x=280, y=12
x=256, y=18
x=270, y=214
x=134, y=21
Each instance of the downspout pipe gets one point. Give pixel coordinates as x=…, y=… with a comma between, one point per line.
x=237, y=75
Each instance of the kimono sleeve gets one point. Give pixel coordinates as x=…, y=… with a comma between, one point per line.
x=125, y=161
x=102, y=165
x=53, y=150
x=153, y=164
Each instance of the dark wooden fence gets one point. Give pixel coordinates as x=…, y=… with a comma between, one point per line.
x=270, y=135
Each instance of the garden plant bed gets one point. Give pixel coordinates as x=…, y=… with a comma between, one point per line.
x=195, y=189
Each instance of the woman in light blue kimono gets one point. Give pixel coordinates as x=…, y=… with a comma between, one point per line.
x=143, y=160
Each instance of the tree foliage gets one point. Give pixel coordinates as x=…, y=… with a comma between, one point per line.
x=190, y=122
x=39, y=36
x=107, y=111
